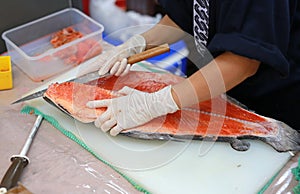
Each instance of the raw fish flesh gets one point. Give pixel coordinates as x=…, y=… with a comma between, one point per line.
x=218, y=119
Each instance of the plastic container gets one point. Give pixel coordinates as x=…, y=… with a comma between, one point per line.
x=6, y=81
x=30, y=48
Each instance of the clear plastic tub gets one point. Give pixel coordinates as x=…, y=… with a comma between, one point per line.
x=30, y=48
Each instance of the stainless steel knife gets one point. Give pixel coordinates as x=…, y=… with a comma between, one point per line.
x=94, y=75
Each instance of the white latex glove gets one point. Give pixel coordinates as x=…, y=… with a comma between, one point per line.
x=133, y=109
x=116, y=63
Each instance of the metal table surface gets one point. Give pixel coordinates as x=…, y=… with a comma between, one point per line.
x=60, y=165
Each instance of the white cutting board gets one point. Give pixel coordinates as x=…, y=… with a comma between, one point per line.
x=177, y=167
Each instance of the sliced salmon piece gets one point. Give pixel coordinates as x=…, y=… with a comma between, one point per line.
x=77, y=53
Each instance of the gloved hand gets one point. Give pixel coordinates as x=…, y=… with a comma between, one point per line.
x=117, y=57
x=133, y=109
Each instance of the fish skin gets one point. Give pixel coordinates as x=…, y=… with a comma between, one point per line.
x=282, y=139
x=287, y=139
x=249, y=124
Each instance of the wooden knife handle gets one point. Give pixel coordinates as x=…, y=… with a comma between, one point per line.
x=148, y=53
x=14, y=172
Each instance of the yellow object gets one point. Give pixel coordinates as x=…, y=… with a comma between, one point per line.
x=6, y=81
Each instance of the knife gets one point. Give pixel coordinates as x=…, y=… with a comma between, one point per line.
x=94, y=75
x=19, y=162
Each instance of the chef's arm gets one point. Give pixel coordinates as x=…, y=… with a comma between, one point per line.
x=223, y=73
x=166, y=31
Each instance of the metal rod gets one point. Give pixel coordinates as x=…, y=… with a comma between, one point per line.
x=19, y=162
x=29, y=140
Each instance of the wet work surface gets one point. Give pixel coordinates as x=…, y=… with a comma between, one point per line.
x=60, y=165
x=57, y=164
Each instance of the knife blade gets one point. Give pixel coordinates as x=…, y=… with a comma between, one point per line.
x=83, y=79
x=94, y=75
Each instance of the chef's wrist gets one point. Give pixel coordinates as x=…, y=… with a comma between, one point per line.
x=175, y=98
x=136, y=43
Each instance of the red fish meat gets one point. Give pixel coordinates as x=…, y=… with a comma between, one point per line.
x=77, y=53
x=220, y=118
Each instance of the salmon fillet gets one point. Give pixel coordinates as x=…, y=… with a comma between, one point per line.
x=220, y=118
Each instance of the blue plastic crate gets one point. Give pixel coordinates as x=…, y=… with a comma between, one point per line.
x=174, y=61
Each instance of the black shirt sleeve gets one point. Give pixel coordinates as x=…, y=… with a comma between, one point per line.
x=257, y=29
x=181, y=12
